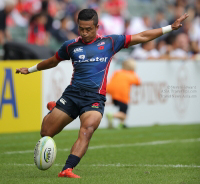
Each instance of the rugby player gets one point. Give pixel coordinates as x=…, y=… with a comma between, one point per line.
x=91, y=55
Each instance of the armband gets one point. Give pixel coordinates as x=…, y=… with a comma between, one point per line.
x=166, y=29
x=33, y=69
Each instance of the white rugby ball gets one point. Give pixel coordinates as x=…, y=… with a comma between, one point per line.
x=45, y=153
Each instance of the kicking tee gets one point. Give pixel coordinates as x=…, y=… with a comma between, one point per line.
x=91, y=61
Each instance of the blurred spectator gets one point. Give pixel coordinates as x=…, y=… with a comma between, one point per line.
x=160, y=20
x=74, y=27
x=180, y=47
x=179, y=10
x=101, y=29
x=113, y=24
x=8, y=8
x=37, y=32
x=94, y=4
x=70, y=7
x=30, y=6
x=115, y=7
x=63, y=34
x=113, y=21
x=127, y=22
x=146, y=51
x=170, y=37
x=44, y=10
x=145, y=1
x=188, y=22
x=182, y=3
x=164, y=49
x=114, y=18
x=139, y=24
x=194, y=32
x=20, y=19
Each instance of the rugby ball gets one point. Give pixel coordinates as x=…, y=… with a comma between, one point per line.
x=45, y=153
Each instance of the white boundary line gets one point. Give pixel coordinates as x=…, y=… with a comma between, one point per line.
x=116, y=165
x=145, y=165
x=117, y=145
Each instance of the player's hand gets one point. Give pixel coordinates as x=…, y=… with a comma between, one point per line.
x=177, y=24
x=22, y=71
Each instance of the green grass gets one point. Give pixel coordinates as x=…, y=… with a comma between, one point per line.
x=120, y=160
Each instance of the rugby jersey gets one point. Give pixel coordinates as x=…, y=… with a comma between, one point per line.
x=91, y=61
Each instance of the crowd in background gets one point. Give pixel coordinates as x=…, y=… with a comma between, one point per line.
x=46, y=19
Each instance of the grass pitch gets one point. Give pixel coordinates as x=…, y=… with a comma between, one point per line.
x=142, y=155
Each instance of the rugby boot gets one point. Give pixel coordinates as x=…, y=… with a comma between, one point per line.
x=68, y=174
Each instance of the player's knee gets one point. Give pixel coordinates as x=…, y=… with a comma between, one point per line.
x=87, y=132
x=45, y=131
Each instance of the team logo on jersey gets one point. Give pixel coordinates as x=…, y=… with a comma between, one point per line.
x=63, y=101
x=95, y=105
x=102, y=43
x=82, y=57
x=79, y=49
x=101, y=47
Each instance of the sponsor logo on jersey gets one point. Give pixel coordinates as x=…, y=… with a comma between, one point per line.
x=95, y=105
x=79, y=49
x=102, y=43
x=102, y=59
x=82, y=57
x=63, y=101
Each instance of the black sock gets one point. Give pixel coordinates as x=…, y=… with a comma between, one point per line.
x=71, y=162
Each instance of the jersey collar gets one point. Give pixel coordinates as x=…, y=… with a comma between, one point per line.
x=97, y=36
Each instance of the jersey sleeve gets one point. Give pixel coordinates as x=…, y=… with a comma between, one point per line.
x=62, y=53
x=120, y=41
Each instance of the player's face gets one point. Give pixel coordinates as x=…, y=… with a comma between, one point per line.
x=87, y=30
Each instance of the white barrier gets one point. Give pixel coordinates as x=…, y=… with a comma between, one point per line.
x=170, y=92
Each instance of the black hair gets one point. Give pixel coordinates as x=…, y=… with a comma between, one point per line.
x=88, y=14
x=35, y=16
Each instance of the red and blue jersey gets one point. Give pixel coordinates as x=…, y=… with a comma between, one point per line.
x=91, y=61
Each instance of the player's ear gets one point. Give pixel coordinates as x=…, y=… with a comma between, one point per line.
x=97, y=26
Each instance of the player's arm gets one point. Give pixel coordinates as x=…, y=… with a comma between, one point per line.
x=46, y=64
x=154, y=33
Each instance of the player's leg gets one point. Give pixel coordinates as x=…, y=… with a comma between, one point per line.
x=64, y=112
x=50, y=106
x=54, y=122
x=91, y=106
x=89, y=123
